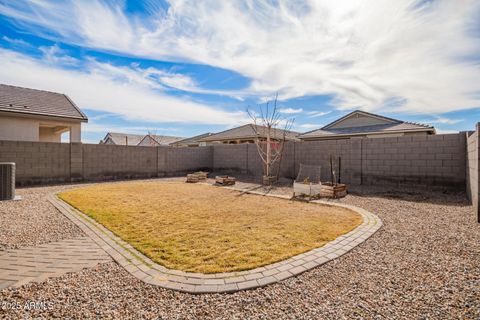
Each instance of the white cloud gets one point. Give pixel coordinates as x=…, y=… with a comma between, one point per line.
x=16, y=42
x=402, y=56
x=106, y=88
x=290, y=110
x=315, y=114
x=99, y=127
x=444, y=120
x=308, y=126
x=55, y=55
x=441, y=131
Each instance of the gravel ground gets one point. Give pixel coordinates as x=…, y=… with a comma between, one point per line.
x=424, y=263
x=33, y=220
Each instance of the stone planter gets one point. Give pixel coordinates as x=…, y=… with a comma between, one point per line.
x=269, y=180
x=338, y=190
x=197, y=177
x=224, y=180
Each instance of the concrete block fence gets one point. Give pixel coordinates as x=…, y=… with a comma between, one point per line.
x=438, y=160
x=473, y=168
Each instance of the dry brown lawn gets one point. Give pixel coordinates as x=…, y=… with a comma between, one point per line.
x=202, y=228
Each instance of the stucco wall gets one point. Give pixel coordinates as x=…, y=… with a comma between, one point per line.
x=28, y=129
x=21, y=129
x=49, y=135
x=473, y=168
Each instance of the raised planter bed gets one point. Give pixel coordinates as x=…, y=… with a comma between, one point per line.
x=224, y=180
x=197, y=177
x=338, y=190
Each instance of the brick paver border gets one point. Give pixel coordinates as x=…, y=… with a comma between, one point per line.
x=150, y=272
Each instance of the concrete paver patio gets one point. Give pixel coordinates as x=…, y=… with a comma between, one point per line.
x=54, y=259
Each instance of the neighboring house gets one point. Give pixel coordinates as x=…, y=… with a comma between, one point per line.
x=193, y=141
x=37, y=115
x=122, y=139
x=148, y=140
x=247, y=134
x=151, y=140
x=366, y=125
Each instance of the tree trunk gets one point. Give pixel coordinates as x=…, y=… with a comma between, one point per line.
x=269, y=152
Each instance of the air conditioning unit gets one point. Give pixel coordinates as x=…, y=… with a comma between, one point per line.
x=7, y=181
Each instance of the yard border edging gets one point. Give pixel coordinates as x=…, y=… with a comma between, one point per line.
x=144, y=269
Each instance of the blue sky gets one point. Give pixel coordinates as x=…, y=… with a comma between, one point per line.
x=187, y=67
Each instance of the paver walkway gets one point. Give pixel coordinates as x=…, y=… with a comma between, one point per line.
x=54, y=259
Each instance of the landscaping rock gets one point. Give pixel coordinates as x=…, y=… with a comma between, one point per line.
x=423, y=263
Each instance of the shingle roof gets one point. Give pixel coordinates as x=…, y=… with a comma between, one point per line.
x=166, y=140
x=194, y=139
x=394, y=126
x=121, y=139
x=38, y=102
x=248, y=131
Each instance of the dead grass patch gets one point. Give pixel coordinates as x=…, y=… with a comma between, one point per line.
x=202, y=228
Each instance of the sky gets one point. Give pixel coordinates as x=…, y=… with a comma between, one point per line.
x=182, y=67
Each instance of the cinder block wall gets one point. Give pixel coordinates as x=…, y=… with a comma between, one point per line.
x=37, y=162
x=473, y=168
x=185, y=160
x=421, y=161
x=318, y=153
x=232, y=157
x=105, y=162
x=438, y=160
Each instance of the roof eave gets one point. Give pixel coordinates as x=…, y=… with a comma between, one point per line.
x=367, y=133
x=46, y=115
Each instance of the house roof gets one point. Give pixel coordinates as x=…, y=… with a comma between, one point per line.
x=248, y=131
x=194, y=139
x=390, y=126
x=38, y=102
x=122, y=138
x=359, y=112
x=162, y=140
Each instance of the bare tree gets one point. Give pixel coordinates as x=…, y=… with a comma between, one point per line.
x=270, y=136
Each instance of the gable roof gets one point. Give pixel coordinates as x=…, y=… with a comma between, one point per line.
x=162, y=140
x=38, y=102
x=194, y=139
x=390, y=125
x=122, y=139
x=248, y=131
x=364, y=113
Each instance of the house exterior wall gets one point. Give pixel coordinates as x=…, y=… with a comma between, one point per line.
x=473, y=169
x=19, y=129
x=417, y=161
x=31, y=129
x=48, y=134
